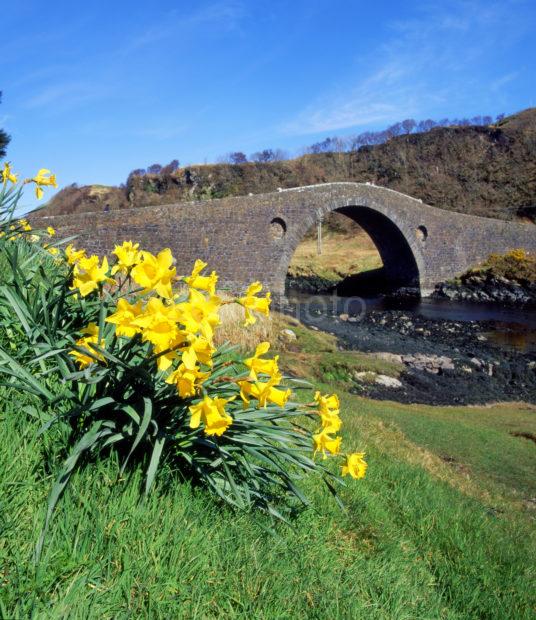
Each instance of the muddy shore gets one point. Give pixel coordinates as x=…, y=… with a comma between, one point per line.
x=445, y=362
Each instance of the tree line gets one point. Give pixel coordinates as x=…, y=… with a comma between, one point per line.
x=335, y=144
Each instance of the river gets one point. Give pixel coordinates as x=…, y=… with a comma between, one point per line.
x=509, y=328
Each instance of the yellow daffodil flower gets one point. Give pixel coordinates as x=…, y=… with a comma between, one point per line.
x=128, y=256
x=328, y=409
x=253, y=303
x=8, y=175
x=158, y=323
x=187, y=380
x=200, y=315
x=88, y=274
x=155, y=273
x=51, y=232
x=262, y=366
x=72, y=255
x=355, y=465
x=197, y=349
x=41, y=179
x=91, y=337
x=205, y=283
x=124, y=316
x=212, y=413
x=264, y=392
x=324, y=443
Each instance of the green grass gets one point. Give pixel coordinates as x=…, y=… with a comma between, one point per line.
x=418, y=540
x=486, y=442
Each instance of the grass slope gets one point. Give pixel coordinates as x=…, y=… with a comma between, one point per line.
x=342, y=255
x=422, y=536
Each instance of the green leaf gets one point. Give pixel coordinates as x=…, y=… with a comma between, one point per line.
x=147, y=414
x=153, y=464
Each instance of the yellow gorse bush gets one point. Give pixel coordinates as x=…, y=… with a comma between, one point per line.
x=132, y=347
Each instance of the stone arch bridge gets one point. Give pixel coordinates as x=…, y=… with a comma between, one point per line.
x=248, y=238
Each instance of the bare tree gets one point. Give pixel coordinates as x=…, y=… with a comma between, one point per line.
x=237, y=157
x=408, y=125
x=154, y=169
x=172, y=167
x=264, y=156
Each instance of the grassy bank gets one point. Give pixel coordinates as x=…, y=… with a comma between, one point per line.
x=342, y=255
x=441, y=527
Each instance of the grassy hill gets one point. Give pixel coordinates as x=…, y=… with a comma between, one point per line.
x=441, y=527
x=488, y=171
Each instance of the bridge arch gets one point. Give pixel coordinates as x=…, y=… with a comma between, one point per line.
x=399, y=245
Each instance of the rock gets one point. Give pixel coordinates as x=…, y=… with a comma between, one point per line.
x=314, y=328
x=288, y=335
x=386, y=381
x=430, y=363
x=389, y=357
x=344, y=316
x=476, y=362
x=467, y=369
x=481, y=338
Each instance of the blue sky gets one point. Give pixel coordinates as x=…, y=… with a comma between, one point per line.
x=95, y=89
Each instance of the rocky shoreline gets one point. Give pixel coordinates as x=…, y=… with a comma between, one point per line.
x=444, y=362
x=488, y=288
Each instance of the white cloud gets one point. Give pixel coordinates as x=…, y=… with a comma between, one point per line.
x=427, y=61
x=64, y=95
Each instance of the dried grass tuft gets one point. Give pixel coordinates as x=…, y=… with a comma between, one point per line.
x=232, y=328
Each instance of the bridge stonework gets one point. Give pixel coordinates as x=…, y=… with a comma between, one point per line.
x=249, y=238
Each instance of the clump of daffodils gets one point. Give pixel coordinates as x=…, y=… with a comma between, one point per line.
x=132, y=345
x=180, y=331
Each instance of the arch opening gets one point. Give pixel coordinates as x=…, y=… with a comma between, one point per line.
x=364, y=247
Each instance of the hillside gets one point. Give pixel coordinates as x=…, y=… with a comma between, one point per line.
x=488, y=171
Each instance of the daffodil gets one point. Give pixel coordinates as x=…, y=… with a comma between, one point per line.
x=199, y=314
x=128, y=256
x=205, y=283
x=197, y=349
x=72, y=255
x=158, y=323
x=41, y=179
x=91, y=337
x=88, y=274
x=187, y=380
x=51, y=232
x=264, y=392
x=155, y=273
x=328, y=409
x=324, y=443
x=252, y=303
x=355, y=465
x=124, y=317
x=262, y=366
x=8, y=175
x=212, y=413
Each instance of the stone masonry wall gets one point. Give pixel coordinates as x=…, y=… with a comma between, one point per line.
x=251, y=238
